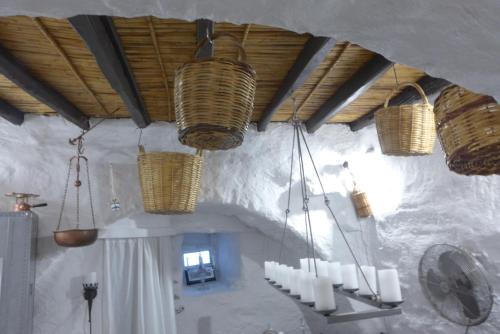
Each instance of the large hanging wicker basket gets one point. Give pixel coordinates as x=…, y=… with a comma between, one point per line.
x=468, y=125
x=360, y=200
x=408, y=129
x=214, y=100
x=170, y=182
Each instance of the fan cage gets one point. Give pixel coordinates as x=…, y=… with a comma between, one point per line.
x=475, y=273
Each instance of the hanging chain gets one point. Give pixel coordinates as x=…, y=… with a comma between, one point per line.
x=90, y=193
x=305, y=201
x=140, y=138
x=327, y=204
x=78, y=141
x=287, y=211
x=65, y=194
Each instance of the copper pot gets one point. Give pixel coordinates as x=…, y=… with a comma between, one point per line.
x=75, y=237
x=22, y=201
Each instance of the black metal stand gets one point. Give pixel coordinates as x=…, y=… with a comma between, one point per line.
x=89, y=294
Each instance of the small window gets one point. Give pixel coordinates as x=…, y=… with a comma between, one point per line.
x=193, y=259
x=198, y=267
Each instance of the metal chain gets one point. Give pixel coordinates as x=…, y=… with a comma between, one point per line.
x=327, y=204
x=287, y=211
x=65, y=194
x=140, y=138
x=90, y=193
x=77, y=207
x=305, y=200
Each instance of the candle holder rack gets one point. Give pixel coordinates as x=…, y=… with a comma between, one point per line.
x=378, y=309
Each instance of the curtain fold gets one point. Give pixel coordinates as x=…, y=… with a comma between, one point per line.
x=138, y=293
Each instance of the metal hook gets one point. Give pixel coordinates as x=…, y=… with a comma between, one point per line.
x=209, y=38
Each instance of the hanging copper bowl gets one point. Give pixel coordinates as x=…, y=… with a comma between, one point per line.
x=75, y=237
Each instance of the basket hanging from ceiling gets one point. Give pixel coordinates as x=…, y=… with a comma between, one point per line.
x=468, y=125
x=408, y=129
x=359, y=197
x=214, y=99
x=170, y=182
x=361, y=203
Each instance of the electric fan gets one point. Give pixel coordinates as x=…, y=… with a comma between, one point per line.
x=455, y=284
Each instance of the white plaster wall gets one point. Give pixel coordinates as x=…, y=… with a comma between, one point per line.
x=454, y=39
x=417, y=202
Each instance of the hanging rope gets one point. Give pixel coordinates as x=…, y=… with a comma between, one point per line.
x=327, y=204
x=395, y=74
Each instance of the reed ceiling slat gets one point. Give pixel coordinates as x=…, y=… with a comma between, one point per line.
x=271, y=51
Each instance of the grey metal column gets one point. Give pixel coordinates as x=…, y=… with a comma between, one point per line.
x=17, y=249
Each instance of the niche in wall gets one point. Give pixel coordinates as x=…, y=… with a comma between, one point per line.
x=211, y=262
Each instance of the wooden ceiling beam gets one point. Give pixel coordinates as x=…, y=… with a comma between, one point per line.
x=313, y=53
x=20, y=75
x=11, y=113
x=359, y=83
x=204, y=28
x=408, y=95
x=100, y=36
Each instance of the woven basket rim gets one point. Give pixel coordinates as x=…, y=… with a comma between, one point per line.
x=170, y=153
x=247, y=67
x=408, y=107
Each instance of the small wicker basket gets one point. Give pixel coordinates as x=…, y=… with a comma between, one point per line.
x=214, y=99
x=468, y=125
x=170, y=182
x=408, y=129
x=360, y=200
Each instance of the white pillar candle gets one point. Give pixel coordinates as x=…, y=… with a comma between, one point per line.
x=322, y=268
x=324, y=299
x=306, y=287
x=90, y=278
x=281, y=274
x=350, y=277
x=371, y=277
x=304, y=264
x=286, y=277
x=295, y=281
x=390, y=290
x=335, y=273
x=272, y=271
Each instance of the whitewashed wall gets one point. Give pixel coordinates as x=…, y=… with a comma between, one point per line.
x=417, y=202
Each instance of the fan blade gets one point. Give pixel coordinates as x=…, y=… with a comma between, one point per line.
x=455, y=267
x=434, y=284
x=470, y=305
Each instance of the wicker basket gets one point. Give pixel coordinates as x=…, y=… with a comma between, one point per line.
x=360, y=200
x=408, y=129
x=468, y=125
x=214, y=100
x=170, y=182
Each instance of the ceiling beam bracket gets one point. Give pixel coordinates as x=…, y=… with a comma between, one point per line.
x=313, y=53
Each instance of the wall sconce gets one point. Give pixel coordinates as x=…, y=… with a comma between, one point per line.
x=90, y=293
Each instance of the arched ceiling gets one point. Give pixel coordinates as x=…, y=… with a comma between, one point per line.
x=454, y=39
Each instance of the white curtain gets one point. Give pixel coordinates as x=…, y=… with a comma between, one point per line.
x=138, y=293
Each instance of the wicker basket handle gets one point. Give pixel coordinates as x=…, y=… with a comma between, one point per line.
x=407, y=84
x=141, y=149
x=242, y=55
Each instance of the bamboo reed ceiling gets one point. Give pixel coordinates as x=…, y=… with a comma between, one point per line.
x=55, y=53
